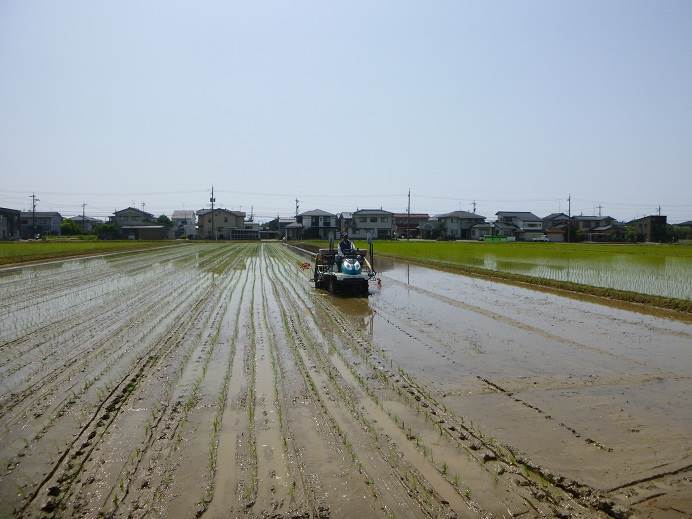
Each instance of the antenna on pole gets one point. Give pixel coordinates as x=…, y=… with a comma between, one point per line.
x=659, y=209
x=297, y=206
x=83, y=206
x=212, y=200
x=143, y=204
x=474, y=207
x=599, y=210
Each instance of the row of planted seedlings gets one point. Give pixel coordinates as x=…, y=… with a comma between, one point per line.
x=411, y=478
x=87, y=389
x=204, y=343
x=369, y=363
x=164, y=345
x=298, y=345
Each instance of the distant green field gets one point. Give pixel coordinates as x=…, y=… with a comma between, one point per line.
x=662, y=270
x=19, y=252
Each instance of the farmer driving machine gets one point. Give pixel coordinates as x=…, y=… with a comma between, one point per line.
x=348, y=272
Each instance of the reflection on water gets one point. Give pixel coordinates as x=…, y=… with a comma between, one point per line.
x=668, y=277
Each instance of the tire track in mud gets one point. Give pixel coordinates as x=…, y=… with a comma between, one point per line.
x=390, y=320
x=326, y=468
x=515, y=323
x=475, y=442
x=374, y=460
x=277, y=484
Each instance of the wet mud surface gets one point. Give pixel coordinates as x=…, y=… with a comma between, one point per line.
x=215, y=381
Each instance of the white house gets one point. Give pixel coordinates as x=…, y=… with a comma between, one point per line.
x=371, y=222
x=318, y=224
x=457, y=224
x=184, y=224
x=528, y=225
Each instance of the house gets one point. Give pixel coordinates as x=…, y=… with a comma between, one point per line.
x=614, y=231
x=649, y=228
x=483, y=231
x=221, y=224
x=184, y=224
x=529, y=226
x=144, y=232
x=131, y=216
x=31, y=223
x=430, y=229
x=556, y=234
x=555, y=220
x=457, y=224
x=9, y=223
x=278, y=225
x=586, y=223
x=85, y=224
x=318, y=225
x=375, y=223
x=344, y=221
x=294, y=231
x=409, y=225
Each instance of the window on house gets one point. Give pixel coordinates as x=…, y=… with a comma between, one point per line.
x=225, y=219
x=384, y=219
x=373, y=219
x=315, y=221
x=362, y=219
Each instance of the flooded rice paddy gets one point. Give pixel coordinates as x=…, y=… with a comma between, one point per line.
x=661, y=276
x=214, y=381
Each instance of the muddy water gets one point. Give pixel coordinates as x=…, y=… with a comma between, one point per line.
x=215, y=381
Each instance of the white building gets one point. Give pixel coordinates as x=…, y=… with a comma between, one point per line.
x=528, y=225
x=184, y=224
x=318, y=224
x=376, y=223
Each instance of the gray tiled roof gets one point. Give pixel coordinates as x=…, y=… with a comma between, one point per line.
x=372, y=211
x=316, y=212
x=523, y=215
x=460, y=214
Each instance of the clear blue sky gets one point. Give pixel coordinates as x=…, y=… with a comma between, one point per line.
x=345, y=105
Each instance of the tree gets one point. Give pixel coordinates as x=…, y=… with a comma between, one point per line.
x=69, y=228
x=107, y=231
x=164, y=220
x=630, y=233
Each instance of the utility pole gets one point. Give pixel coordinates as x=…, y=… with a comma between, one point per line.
x=408, y=216
x=474, y=207
x=569, y=219
x=297, y=206
x=212, y=200
x=599, y=210
x=33, y=214
x=83, y=206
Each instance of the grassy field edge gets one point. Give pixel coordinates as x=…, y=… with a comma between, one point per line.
x=13, y=253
